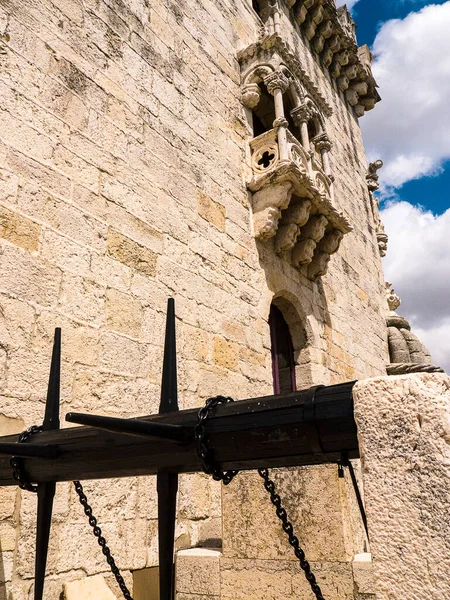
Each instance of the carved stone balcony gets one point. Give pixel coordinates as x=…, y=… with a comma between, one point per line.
x=292, y=201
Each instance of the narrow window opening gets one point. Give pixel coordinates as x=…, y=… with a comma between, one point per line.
x=263, y=113
x=255, y=5
x=283, y=363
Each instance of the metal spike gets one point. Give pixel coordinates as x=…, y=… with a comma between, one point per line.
x=176, y=433
x=169, y=394
x=29, y=450
x=51, y=417
x=167, y=483
x=46, y=491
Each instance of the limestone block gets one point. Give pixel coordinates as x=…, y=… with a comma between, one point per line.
x=363, y=574
x=9, y=183
x=91, y=588
x=280, y=579
x=225, y=353
x=19, y=230
x=130, y=253
x=405, y=447
x=312, y=498
x=29, y=277
x=65, y=253
x=197, y=493
x=198, y=571
x=7, y=536
x=112, y=393
x=82, y=298
x=123, y=313
x=211, y=210
x=8, y=496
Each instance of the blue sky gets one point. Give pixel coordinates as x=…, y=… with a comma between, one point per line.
x=410, y=131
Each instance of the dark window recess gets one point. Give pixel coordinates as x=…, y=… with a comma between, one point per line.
x=283, y=364
x=263, y=113
x=255, y=5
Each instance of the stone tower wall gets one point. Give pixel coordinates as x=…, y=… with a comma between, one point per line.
x=123, y=161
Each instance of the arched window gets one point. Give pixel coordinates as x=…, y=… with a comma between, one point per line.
x=283, y=363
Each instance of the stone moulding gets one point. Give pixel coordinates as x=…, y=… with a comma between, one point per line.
x=331, y=34
x=292, y=202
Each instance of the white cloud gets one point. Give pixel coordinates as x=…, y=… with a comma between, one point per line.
x=418, y=265
x=410, y=128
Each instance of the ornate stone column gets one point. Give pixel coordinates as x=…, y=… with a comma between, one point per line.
x=324, y=145
x=301, y=115
x=277, y=83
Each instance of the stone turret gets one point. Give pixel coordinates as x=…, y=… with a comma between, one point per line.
x=406, y=351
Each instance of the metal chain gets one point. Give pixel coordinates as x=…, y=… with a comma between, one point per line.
x=227, y=476
x=101, y=540
x=289, y=530
x=204, y=452
x=17, y=463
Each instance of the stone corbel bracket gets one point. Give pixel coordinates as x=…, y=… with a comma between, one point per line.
x=331, y=34
x=296, y=209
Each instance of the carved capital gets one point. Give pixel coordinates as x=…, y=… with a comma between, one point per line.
x=303, y=113
x=276, y=81
x=322, y=142
x=251, y=94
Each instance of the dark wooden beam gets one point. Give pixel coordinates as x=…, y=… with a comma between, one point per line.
x=270, y=431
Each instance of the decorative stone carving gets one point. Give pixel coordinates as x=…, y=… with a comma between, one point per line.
x=304, y=113
x=251, y=94
x=267, y=206
x=372, y=176
x=282, y=167
x=331, y=32
x=310, y=235
x=373, y=185
x=407, y=353
x=276, y=81
x=322, y=142
x=382, y=239
x=328, y=246
x=294, y=218
x=303, y=252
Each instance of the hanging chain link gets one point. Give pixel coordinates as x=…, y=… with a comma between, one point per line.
x=227, y=476
x=101, y=540
x=203, y=450
x=17, y=463
x=24, y=484
x=289, y=530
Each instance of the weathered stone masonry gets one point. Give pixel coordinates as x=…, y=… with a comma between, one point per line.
x=124, y=165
